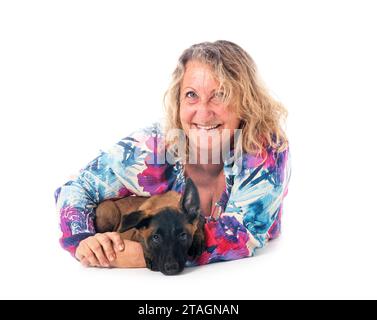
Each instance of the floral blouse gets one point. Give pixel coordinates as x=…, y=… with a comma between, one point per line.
x=247, y=215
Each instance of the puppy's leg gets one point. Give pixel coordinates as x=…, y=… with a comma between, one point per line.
x=109, y=212
x=107, y=217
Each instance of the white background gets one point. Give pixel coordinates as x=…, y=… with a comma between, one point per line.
x=77, y=76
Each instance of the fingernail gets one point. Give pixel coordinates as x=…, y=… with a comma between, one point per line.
x=121, y=247
x=111, y=258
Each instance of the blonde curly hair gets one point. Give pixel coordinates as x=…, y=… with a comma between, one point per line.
x=260, y=114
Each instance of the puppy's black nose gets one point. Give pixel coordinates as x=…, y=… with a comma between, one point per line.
x=171, y=268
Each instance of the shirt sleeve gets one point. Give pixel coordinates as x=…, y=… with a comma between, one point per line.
x=113, y=174
x=253, y=212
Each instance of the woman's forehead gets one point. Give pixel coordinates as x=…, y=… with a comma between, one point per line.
x=199, y=76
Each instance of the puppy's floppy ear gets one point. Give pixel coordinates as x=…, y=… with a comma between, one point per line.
x=137, y=219
x=190, y=201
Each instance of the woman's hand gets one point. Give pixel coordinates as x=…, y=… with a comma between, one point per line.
x=110, y=250
x=99, y=250
x=131, y=257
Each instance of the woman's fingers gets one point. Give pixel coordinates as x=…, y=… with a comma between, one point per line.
x=85, y=262
x=81, y=253
x=96, y=248
x=99, y=250
x=107, y=245
x=85, y=255
x=97, y=253
x=89, y=255
x=117, y=240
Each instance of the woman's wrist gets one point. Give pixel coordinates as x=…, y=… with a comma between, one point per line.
x=131, y=257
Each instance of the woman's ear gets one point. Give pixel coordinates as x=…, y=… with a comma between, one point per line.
x=136, y=219
x=190, y=201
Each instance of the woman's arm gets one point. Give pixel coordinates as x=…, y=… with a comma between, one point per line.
x=77, y=199
x=112, y=175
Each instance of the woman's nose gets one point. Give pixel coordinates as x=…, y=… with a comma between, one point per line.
x=203, y=109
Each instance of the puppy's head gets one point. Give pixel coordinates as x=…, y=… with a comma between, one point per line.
x=170, y=235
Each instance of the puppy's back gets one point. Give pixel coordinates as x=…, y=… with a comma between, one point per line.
x=110, y=212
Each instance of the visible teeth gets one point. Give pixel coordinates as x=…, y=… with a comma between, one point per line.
x=207, y=127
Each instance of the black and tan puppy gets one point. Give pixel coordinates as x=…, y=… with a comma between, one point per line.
x=170, y=227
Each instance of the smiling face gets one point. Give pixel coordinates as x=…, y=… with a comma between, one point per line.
x=203, y=113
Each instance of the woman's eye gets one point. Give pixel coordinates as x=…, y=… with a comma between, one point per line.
x=218, y=96
x=191, y=95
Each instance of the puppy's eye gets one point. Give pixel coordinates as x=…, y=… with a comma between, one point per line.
x=156, y=238
x=183, y=236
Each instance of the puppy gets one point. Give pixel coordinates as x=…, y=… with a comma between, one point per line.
x=169, y=227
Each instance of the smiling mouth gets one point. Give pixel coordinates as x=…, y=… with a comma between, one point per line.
x=208, y=128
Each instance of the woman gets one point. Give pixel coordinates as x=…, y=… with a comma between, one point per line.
x=218, y=101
